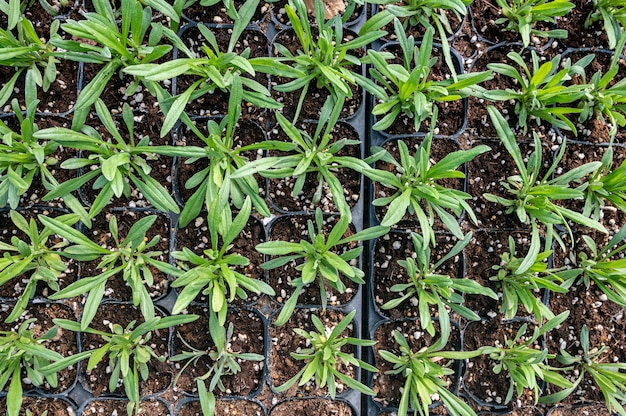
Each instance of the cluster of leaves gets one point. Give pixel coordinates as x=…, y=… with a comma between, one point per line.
x=125, y=42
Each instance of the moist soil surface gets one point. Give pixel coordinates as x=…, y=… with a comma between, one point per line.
x=39, y=405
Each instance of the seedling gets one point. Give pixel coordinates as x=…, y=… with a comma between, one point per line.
x=325, y=357
x=312, y=154
x=33, y=259
x=541, y=91
x=32, y=58
x=424, y=13
x=602, y=100
x=533, y=198
x=129, y=350
x=525, y=363
x=105, y=39
x=612, y=13
x=610, y=377
x=522, y=15
x=21, y=350
x=323, y=58
x=218, y=71
x=322, y=259
x=24, y=156
x=130, y=256
x=225, y=362
x=431, y=288
x=224, y=179
x=416, y=189
x=604, y=267
x=407, y=88
x=424, y=374
x=605, y=184
x=113, y=164
x=214, y=273
x=519, y=286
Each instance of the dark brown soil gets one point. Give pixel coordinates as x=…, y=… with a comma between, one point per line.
x=97, y=380
x=223, y=407
x=106, y=407
x=293, y=228
x=39, y=405
x=282, y=367
x=320, y=407
x=585, y=409
x=248, y=337
x=280, y=190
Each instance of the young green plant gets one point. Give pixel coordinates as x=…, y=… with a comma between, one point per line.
x=610, y=377
x=32, y=58
x=603, y=267
x=323, y=58
x=218, y=71
x=33, y=259
x=21, y=351
x=519, y=285
x=116, y=42
x=129, y=350
x=214, y=273
x=322, y=259
x=612, y=13
x=525, y=363
x=225, y=362
x=25, y=157
x=431, y=288
x=224, y=179
x=424, y=374
x=425, y=13
x=326, y=356
x=131, y=257
x=542, y=91
x=533, y=198
x=407, y=89
x=522, y=16
x=414, y=186
x=114, y=165
x=309, y=155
